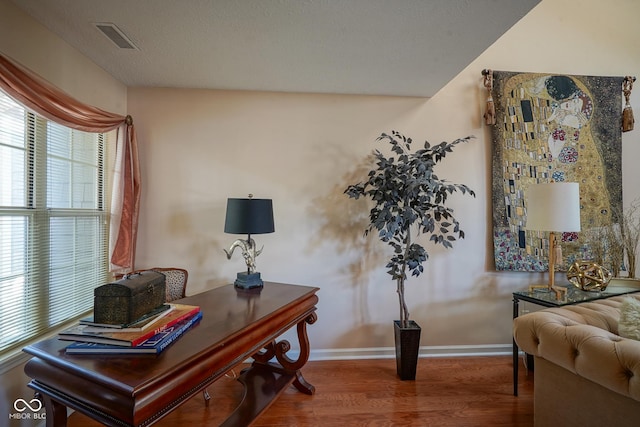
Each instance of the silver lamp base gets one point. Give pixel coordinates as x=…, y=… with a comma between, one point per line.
x=246, y=280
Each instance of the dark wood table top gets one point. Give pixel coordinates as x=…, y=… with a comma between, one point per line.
x=235, y=324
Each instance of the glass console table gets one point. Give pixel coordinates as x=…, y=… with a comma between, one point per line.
x=546, y=298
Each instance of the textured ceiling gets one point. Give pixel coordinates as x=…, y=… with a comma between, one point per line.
x=374, y=47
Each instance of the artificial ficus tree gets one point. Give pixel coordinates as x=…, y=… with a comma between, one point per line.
x=407, y=194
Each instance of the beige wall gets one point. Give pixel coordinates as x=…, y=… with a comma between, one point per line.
x=200, y=147
x=32, y=45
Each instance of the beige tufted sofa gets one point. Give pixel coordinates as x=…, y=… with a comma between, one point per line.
x=585, y=374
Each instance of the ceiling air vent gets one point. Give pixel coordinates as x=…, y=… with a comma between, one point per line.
x=114, y=34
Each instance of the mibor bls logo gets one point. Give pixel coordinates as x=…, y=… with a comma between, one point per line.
x=27, y=410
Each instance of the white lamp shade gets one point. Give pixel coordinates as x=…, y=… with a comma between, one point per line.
x=553, y=207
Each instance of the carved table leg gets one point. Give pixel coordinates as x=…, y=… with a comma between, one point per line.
x=56, y=412
x=302, y=385
x=287, y=365
x=283, y=346
x=265, y=380
x=293, y=366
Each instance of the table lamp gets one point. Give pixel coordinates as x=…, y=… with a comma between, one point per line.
x=248, y=216
x=553, y=207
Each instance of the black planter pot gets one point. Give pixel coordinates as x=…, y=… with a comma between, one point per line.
x=407, y=347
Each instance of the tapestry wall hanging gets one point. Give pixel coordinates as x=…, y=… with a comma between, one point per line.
x=552, y=128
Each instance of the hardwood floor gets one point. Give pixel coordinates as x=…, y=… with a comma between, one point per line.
x=469, y=391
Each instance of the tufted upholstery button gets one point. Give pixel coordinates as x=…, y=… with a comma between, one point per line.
x=583, y=339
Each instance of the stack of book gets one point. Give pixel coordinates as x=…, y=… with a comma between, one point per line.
x=148, y=335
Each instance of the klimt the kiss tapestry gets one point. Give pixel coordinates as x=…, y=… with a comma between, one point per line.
x=553, y=128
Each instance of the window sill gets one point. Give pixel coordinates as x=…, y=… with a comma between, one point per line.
x=17, y=357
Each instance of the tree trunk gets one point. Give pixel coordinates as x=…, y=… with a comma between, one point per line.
x=404, y=310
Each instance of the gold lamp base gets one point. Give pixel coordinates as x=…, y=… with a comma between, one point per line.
x=561, y=291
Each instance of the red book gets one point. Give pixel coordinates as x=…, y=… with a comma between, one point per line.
x=154, y=345
x=93, y=334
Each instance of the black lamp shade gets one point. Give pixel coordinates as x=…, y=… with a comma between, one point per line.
x=249, y=216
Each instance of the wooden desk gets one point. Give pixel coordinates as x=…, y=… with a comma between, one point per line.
x=139, y=390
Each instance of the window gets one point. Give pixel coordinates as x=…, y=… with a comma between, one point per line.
x=53, y=223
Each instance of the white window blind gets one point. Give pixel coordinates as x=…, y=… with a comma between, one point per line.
x=53, y=223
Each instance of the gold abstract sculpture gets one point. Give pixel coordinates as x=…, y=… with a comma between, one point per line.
x=589, y=276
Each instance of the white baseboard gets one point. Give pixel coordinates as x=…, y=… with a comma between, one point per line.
x=425, y=351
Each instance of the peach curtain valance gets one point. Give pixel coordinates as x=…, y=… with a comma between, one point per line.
x=50, y=102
